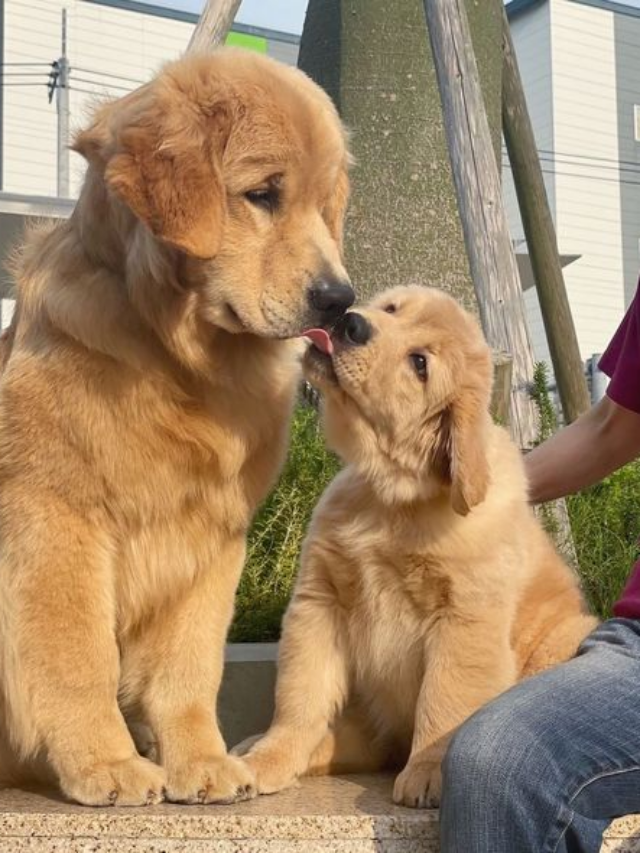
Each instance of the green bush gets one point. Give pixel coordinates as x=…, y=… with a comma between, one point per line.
x=547, y=420
x=278, y=531
x=606, y=524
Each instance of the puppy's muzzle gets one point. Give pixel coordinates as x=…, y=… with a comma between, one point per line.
x=353, y=329
x=329, y=298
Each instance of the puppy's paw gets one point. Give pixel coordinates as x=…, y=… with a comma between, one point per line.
x=419, y=785
x=220, y=780
x=132, y=782
x=272, y=768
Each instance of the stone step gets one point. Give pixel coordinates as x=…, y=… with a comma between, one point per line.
x=329, y=815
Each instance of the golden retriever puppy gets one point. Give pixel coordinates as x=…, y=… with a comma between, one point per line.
x=426, y=586
x=146, y=388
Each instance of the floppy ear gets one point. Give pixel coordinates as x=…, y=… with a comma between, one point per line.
x=468, y=467
x=163, y=161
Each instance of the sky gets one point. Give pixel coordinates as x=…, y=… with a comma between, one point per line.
x=286, y=15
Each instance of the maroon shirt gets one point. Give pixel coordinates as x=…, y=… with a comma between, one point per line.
x=621, y=362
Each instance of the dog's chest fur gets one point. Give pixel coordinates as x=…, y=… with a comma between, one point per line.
x=171, y=476
x=390, y=601
x=219, y=462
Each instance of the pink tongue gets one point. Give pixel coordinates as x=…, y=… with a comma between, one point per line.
x=320, y=339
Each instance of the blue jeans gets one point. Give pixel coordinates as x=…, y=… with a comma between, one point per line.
x=546, y=766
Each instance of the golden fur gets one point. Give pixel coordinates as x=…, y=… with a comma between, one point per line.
x=146, y=389
x=426, y=586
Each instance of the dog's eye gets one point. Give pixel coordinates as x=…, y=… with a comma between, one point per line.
x=419, y=363
x=267, y=198
x=390, y=309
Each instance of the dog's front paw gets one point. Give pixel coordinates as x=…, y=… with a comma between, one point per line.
x=220, y=780
x=272, y=768
x=419, y=785
x=131, y=782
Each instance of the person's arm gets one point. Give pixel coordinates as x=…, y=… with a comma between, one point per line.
x=604, y=439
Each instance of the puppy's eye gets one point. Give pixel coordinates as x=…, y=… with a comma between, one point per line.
x=266, y=198
x=419, y=363
x=390, y=309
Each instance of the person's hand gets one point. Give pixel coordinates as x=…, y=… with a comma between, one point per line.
x=602, y=440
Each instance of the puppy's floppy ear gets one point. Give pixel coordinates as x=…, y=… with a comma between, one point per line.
x=461, y=451
x=161, y=157
x=468, y=467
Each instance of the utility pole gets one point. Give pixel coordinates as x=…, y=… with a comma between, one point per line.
x=479, y=193
x=213, y=26
x=61, y=88
x=541, y=237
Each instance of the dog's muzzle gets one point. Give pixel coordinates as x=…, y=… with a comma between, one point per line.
x=330, y=298
x=353, y=329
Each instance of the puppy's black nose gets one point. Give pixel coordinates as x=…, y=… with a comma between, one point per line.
x=354, y=329
x=331, y=298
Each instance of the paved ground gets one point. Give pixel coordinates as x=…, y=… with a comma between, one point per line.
x=341, y=815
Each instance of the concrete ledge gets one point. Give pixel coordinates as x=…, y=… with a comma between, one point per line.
x=339, y=815
x=328, y=815
x=623, y=836
x=245, y=703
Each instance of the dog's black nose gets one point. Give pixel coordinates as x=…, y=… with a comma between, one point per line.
x=331, y=298
x=354, y=329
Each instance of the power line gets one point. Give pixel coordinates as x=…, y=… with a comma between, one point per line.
x=588, y=177
x=583, y=157
x=109, y=74
x=21, y=73
x=85, y=91
x=590, y=157
x=98, y=83
x=583, y=166
x=568, y=162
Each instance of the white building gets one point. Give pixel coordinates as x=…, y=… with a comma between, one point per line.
x=580, y=63
x=112, y=47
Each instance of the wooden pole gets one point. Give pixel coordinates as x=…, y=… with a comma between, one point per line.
x=501, y=391
x=479, y=194
x=541, y=238
x=213, y=26
x=63, y=110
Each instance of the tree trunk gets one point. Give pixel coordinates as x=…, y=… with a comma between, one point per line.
x=374, y=58
x=214, y=25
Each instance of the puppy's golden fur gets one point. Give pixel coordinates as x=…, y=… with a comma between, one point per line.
x=427, y=586
x=146, y=388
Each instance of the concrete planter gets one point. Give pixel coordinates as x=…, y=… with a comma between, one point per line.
x=245, y=704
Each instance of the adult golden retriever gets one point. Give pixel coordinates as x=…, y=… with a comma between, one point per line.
x=427, y=586
x=144, y=403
